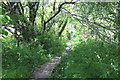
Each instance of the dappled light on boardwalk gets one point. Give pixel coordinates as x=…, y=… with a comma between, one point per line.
x=68, y=45
x=46, y=69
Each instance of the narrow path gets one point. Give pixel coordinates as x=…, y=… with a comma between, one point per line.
x=46, y=69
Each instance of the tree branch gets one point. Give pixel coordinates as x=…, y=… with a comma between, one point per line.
x=90, y=21
x=59, y=9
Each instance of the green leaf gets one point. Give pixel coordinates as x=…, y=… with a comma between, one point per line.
x=16, y=17
x=3, y=32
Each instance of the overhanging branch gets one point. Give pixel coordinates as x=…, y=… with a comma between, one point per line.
x=90, y=21
x=59, y=9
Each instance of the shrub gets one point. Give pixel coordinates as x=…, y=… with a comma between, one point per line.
x=51, y=43
x=19, y=62
x=90, y=59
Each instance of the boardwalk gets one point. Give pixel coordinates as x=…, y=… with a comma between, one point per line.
x=46, y=69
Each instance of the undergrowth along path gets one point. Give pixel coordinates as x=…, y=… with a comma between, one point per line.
x=46, y=69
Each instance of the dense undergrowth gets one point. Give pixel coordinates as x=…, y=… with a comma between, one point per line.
x=19, y=62
x=89, y=59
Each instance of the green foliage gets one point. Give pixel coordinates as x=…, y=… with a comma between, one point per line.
x=29, y=55
x=3, y=32
x=51, y=43
x=89, y=59
x=19, y=62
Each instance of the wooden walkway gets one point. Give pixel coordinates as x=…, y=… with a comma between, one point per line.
x=46, y=69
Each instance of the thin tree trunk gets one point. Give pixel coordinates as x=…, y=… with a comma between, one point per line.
x=118, y=25
x=63, y=27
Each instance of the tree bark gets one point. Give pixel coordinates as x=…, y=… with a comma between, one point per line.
x=118, y=25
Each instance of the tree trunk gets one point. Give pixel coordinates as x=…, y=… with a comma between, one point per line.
x=118, y=25
x=63, y=27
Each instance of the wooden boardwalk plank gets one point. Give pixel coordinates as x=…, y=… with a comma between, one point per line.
x=46, y=69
